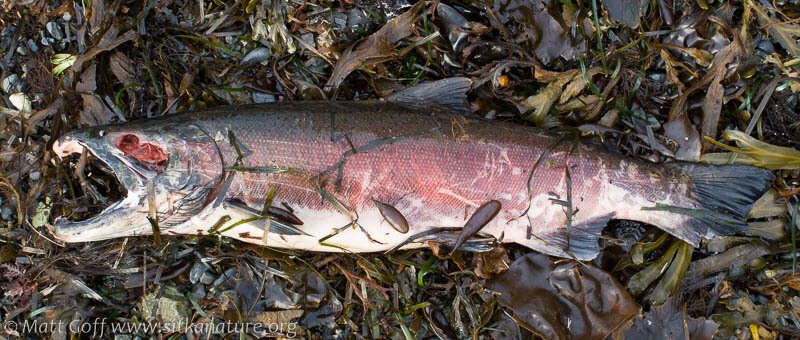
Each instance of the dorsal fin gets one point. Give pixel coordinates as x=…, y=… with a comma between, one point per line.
x=450, y=93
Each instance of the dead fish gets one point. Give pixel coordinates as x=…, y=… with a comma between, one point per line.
x=329, y=160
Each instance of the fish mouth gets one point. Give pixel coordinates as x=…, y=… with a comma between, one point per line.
x=122, y=218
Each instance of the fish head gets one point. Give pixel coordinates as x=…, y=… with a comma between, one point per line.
x=168, y=168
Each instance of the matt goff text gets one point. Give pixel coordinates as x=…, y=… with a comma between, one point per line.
x=101, y=327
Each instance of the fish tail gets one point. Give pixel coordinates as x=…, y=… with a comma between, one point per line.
x=712, y=200
x=721, y=196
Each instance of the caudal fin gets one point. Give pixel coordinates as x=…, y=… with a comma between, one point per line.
x=723, y=194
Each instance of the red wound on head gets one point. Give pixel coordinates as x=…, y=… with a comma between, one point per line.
x=149, y=156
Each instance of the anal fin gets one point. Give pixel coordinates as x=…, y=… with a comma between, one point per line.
x=579, y=242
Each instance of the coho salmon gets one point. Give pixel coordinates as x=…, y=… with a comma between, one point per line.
x=379, y=175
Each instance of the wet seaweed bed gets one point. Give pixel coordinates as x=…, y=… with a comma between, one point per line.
x=648, y=81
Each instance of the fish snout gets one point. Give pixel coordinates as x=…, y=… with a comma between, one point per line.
x=66, y=146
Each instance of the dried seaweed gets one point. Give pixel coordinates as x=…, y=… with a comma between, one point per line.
x=563, y=300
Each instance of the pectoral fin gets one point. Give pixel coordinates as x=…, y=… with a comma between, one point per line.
x=276, y=225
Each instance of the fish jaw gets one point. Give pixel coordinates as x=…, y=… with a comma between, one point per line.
x=117, y=219
x=126, y=222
